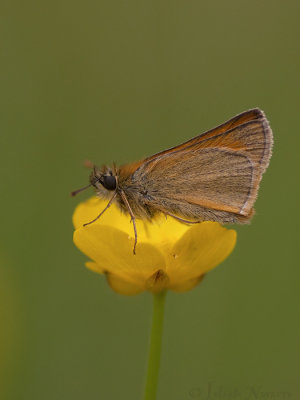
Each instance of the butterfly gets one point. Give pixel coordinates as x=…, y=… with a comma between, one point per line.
x=213, y=177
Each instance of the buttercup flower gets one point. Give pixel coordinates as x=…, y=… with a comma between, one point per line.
x=169, y=254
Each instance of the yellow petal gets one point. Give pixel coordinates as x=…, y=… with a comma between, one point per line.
x=200, y=249
x=94, y=267
x=118, y=284
x=184, y=286
x=123, y=286
x=112, y=251
x=88, y=210
x=160, y=231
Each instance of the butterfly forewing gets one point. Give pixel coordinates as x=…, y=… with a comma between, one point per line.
x=237, y=121
x=219, y=170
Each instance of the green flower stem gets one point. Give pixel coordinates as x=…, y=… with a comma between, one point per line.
x=155, y=345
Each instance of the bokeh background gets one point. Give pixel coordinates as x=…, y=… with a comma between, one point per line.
x=117, y=81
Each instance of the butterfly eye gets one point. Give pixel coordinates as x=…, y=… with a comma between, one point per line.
x=109, y=182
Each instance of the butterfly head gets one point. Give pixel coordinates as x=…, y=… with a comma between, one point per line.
x=104, y=179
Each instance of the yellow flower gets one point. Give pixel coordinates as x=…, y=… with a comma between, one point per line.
x=169, y=254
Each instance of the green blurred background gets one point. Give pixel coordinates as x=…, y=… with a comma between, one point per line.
x=116, y=81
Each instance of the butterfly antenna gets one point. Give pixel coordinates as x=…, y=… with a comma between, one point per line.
x=80, y=190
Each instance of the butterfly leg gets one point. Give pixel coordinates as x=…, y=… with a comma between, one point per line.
x=102, y=212
x=124, y=198
x=185, y=221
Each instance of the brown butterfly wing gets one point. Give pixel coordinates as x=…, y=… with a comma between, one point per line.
x=219, y=170
x=252, y=137
x=213, y=178
x=255, y=116
x=228, y=137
